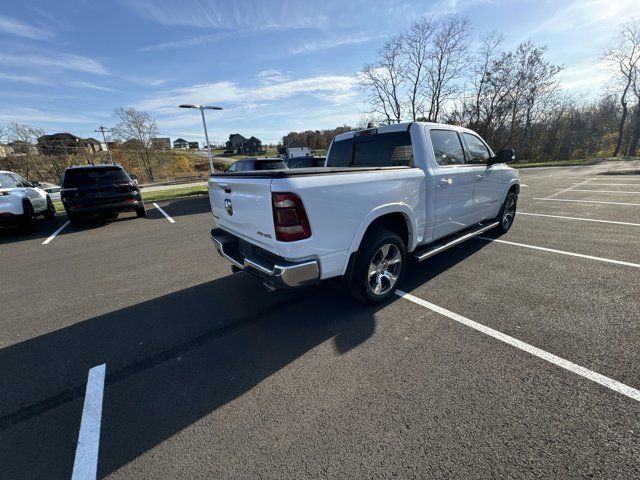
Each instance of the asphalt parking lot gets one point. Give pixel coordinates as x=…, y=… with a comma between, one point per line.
x=208, y=375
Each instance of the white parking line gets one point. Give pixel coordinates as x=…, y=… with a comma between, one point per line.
x=584, y=201
x=600, y=191
x=561, y=190
x=85, y=466
x=562, y=252
x=579, y=218
x=613, y=184
x=53, y=235
x=523, y=185
x=535, y=351
x=164, y=213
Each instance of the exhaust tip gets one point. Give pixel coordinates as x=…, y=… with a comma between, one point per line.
x=269, y=287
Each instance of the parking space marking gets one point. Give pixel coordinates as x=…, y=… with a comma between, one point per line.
x=53, y=235
x=562, y=252
x=601, y=191
x=562, y=190
x=523, y=185
x=579, y=218
x=535, y=351
x=164, y=213
x=85, y=465
x=585, y=201
x=613, y=184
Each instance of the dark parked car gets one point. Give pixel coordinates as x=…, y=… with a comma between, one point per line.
x=104, y=190
x=305, y=162
x=252, y=164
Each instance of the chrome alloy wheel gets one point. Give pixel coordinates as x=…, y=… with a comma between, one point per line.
x=509, y=212
x=384, y=269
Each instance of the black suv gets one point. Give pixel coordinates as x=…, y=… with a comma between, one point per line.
x=102, y=190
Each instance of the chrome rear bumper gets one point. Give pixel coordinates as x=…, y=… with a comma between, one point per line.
x=278, y=272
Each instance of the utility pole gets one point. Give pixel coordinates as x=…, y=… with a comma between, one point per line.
x=102, y=130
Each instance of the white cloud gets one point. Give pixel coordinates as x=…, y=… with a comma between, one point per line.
x=16, y=27
x=333, y=88
x=583, y=14
x=31, y=79
x=271, y=76
x=330, y=43
x=28, y=114
x=91, y=86
x=452, y=7
x=585, y=77
x=61, y=61
x=222, y=14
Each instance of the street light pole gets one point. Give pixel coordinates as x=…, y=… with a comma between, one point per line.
x=202, y=108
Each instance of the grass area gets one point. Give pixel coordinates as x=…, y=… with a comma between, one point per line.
x=168, y=194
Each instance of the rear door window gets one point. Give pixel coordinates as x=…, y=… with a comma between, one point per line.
x=447, y=147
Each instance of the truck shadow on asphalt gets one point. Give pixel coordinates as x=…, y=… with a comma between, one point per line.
x=170, y=361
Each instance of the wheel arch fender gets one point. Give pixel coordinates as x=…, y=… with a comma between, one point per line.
x=378, y=214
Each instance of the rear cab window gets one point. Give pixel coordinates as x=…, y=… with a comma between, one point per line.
x=87, y=177
x=391, y=149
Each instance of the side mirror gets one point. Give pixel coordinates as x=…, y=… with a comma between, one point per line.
x=503, y=156
x=36, y=184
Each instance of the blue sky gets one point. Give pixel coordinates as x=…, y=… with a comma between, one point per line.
x=274, y=65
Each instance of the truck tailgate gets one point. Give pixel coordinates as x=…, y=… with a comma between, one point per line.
x=243, y=207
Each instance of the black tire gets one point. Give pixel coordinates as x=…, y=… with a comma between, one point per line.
x=73, y=219
x=50, y=212
x=29, y=218
x=372, y=261
x=141, y=212
x=507, y=213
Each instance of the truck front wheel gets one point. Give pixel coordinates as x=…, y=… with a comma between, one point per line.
x=507, y=213
x=379, y=267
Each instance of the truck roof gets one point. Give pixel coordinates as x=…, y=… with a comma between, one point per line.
x=395, y=127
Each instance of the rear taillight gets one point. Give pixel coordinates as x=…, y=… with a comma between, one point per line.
x=289, y=217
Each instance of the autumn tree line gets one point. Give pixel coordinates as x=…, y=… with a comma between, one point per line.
x=512, y=97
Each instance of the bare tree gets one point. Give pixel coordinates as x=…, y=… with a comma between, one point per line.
x=624, y=58
x=140, y=127
x=24, y=138
x=447, y=62
x=384, y=81
x=416, y=49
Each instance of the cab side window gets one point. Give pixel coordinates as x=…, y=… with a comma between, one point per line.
x=447, y=147
x=476, y=150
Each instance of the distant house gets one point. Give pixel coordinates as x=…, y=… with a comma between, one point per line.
x=161, y=143
x=194, y=145
x=94, y=144
x=180, y=143
x=244, y=146
x=63, y=144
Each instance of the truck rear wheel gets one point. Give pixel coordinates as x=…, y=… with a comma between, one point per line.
x=379, y=267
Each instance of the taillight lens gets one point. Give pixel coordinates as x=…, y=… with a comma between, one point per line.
x=289, y=217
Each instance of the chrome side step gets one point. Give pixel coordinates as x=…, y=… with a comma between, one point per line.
x=432, y=250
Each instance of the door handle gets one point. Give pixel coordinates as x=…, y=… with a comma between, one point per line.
x=480, y=176
x=446, y=181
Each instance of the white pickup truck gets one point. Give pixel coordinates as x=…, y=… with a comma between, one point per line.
x=385, y=193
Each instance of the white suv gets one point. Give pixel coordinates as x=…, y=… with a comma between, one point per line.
x=21, y=202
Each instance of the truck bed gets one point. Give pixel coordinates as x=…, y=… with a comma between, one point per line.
x=297, y=172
